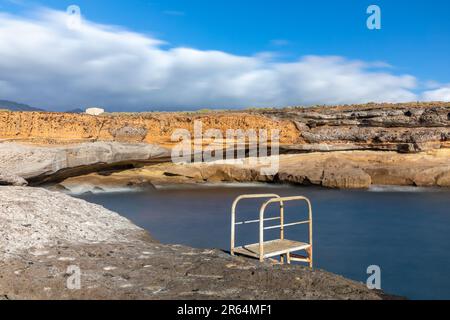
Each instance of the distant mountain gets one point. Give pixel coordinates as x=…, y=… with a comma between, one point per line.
x=78, y=110
x=14, y=106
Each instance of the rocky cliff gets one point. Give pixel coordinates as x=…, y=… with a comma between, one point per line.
x=339, y=147
x=403, y=127
x=62, y=128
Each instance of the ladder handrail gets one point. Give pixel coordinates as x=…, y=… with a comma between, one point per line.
x=281, y=200
x=233, y=212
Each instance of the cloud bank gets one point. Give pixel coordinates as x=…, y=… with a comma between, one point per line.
x=440, y=94
x=45, y=63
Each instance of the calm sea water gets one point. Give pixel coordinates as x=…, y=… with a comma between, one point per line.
x=404, y=231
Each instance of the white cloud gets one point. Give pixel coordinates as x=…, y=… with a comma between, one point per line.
x=440, y=94
x=44, y=63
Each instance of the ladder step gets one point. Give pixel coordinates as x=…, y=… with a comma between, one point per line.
x=299, y=257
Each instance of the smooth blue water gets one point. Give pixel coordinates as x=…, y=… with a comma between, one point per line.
x=406, y=233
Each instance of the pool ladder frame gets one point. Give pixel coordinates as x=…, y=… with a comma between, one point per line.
x=274, y=198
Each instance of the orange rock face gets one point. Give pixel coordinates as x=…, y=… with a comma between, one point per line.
x=404, y=128
x=57, y=128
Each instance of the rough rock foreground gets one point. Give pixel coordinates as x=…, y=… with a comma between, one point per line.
x=44, y=234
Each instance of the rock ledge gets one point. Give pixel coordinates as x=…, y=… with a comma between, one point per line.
x=42, y=234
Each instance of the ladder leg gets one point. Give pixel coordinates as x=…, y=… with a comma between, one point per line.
x=310, y=257
x=288, y=258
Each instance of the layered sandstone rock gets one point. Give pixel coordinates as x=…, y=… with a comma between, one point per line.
x=406, y=128
x=344, y=175
x=125, y=140
x=345, y=169
x=60, y=128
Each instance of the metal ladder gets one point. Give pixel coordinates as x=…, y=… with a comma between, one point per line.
x=281, y=247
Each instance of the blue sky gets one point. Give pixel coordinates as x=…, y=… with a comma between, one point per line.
x=414, y=39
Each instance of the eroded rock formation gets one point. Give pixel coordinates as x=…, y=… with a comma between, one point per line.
x=50, y=162
x=63, y=128
x=403, y=127
x=343, y=169
x=119, y=141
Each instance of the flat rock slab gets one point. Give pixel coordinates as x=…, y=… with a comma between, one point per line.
x=154, y=271
x=31, y=161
